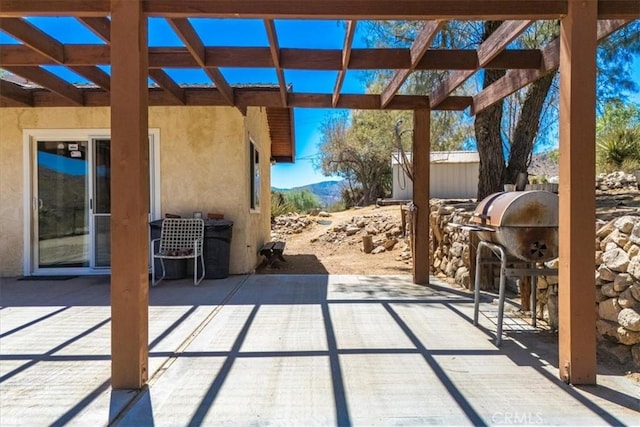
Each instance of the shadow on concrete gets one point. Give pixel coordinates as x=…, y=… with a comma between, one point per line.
x=294, y=264
x=390, y=293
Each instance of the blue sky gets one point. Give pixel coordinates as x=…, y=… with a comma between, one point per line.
x=291, y=34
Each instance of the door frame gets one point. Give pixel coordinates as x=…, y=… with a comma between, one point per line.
x=30, y=138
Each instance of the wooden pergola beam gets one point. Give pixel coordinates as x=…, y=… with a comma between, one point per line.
x=421, y=162
x=166, y=82
x=301, y=59
x=247, y=97
x=33, y=37
x=488, y=50
x=16, y=93
x=100, y=27
x=274, y=48
x=327, y=9
x=515, y=80
x=130, y=197
x=49, y=81
x=346, y=57
x=577, y=209
x=194, y=45
x=418, y=49
x=95, y=75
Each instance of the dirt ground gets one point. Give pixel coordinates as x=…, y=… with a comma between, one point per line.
x=306, y=255
x=346, y=257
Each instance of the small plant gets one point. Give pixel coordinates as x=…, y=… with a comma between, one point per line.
x=618, y=148
x=279, y=205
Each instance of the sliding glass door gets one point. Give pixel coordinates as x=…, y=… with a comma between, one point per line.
x=71, y=221
x=62, y=204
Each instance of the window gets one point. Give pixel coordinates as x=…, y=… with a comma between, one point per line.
x=254, y=175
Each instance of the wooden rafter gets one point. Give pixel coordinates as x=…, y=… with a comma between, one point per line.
x=346, y=57
x=327, y=9
x=50, y=81
x=94, y=74
x=302, y=59
x=100, y=26
x=417, y=51
x=487, y=51
x=34, y=38
x=16, y=93
x=194, y=45
x=515, y=80
x=274, y=48
x=166, y=82
x=252, y=97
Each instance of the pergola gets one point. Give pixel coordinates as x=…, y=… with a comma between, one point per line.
x=122, y=24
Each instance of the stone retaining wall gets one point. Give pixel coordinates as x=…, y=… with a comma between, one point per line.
x=616, y=266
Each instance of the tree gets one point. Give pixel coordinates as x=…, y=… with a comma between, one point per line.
x=511, y=128
x=358, y=148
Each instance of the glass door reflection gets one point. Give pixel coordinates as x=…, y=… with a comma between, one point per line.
x=62, y=204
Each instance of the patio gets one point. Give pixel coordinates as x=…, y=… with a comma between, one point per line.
x=295, y=350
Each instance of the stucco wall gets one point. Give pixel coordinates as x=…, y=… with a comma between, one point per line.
x=203, y=167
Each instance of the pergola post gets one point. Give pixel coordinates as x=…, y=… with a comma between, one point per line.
x=577, y=330
x=129, y=196
x=420, y=159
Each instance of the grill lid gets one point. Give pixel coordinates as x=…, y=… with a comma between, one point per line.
x=518, y=209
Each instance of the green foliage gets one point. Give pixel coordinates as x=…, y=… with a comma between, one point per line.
x=358, y=148
x=618, y=137
x=279, y=204
x=302, y=201
x=619, y=149
x=337, y=207
x=554, y=156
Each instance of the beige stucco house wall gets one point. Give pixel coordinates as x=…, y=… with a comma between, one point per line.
x=204, y=166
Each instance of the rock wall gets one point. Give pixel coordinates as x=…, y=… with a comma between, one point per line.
x=616, y=266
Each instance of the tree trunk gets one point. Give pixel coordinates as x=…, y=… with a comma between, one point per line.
x=527, y=128
x=487, y=127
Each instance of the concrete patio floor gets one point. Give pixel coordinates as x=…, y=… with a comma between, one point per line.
x=289, y=350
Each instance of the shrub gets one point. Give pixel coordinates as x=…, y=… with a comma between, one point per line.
x=279, y=205
x=617, y=149
x=302, y=201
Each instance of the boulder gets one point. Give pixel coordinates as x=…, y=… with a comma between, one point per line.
x=607, y=329
x=616, y=259
x=378, y=250
x=635, y=291
x=625, y=223
x=627, y=337
x=632, y=250
x=620, y=352
x=622, y=282
x=609, y=309
x=351, y=230
x=635, y=354
x=605, y=230
x=607, y=290
x=626, y=299
x=606, y=274
x=634, y=235
x=629, y=319
x=634, y=267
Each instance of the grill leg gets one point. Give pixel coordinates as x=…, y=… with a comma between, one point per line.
x=534, y=294
x=503, y=267
x=476, y=290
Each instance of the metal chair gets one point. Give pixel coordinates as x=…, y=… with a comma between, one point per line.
x=180, y=238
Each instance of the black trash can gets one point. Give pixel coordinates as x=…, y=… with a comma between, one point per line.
x=174, y=268
x=217, y=248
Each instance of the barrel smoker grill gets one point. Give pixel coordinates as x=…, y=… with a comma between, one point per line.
x=525, y=223
x=520, y=225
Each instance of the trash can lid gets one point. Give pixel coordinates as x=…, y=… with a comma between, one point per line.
x=218, y=224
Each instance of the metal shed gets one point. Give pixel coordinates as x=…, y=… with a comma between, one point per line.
x=453, y=175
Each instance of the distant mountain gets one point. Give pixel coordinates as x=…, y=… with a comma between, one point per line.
x=329, y=192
